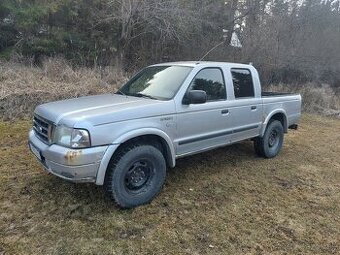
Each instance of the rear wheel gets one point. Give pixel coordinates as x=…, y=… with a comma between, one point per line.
x=270, y=144
x=135, y=175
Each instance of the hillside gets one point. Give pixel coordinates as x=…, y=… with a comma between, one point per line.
x=227, y=201
x=24, y=87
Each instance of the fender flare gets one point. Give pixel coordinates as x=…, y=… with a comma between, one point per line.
x=285, y=121
x=127, y=136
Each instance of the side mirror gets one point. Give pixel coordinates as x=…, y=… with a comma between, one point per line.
x=195, y=97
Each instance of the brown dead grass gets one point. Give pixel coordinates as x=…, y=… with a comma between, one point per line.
x=225, y=201
x=316, y=99
x=23, y=87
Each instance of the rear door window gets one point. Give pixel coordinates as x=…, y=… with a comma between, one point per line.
x=243, y=83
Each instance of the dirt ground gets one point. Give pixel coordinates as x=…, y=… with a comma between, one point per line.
x=226, y=201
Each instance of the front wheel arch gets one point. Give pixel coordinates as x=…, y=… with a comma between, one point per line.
x=168, y=150
x=154, y=140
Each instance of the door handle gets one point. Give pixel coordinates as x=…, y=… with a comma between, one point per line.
x=225, y=111
x=253, y=108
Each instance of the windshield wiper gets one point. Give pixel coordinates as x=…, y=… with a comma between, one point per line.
x=145, y=96
x=120, y=92
x=136, y=94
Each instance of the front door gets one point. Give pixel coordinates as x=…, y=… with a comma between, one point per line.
x=201, y=126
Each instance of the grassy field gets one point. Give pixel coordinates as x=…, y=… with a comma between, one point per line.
x=226, y=201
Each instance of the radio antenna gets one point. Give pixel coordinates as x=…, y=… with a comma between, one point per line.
x=213, y=48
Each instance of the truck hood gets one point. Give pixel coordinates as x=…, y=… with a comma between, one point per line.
x=101, y=109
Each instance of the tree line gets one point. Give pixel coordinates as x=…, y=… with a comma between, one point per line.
x=288, y=41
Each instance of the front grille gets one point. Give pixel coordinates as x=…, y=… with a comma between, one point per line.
x=43, y=129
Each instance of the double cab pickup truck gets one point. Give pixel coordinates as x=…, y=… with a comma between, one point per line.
x=126, y=140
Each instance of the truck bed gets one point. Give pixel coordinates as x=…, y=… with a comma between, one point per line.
x=290, y=103
x=276, y=94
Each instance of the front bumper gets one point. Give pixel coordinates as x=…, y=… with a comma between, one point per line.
x=76, y=165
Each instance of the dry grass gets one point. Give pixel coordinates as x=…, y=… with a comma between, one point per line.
x=23, y=87
x=222, y=202
x=315, y=99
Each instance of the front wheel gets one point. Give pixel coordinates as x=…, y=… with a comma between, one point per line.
x=270, y=144
x=135, y=175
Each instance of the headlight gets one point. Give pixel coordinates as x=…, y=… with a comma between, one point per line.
x=80, y=138
x=69, y=137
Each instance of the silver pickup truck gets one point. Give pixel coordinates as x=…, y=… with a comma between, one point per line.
x=126, y=140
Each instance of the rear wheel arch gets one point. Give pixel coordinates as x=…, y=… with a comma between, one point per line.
x=278, y=115
x=271, y=143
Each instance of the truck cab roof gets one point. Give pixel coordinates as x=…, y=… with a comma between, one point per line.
x=205, y=64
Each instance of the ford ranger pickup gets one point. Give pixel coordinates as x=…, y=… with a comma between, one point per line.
x=126, y=140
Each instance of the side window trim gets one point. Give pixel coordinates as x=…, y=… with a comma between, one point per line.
x=223, y=79
x=252, y=82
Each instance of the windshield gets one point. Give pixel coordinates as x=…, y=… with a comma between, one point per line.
x=156, y=82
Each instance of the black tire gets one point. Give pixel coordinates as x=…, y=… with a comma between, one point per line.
x=135, y=175
x=270, y=144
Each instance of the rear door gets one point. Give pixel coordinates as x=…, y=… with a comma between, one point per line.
x=246, y=110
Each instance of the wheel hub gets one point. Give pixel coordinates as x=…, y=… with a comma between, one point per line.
x=272, y=138
x=138, y=175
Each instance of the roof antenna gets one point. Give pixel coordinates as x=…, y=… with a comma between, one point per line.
x=213, y=48
x=225, y=35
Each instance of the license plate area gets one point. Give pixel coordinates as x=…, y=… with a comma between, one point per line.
x=35, y=151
